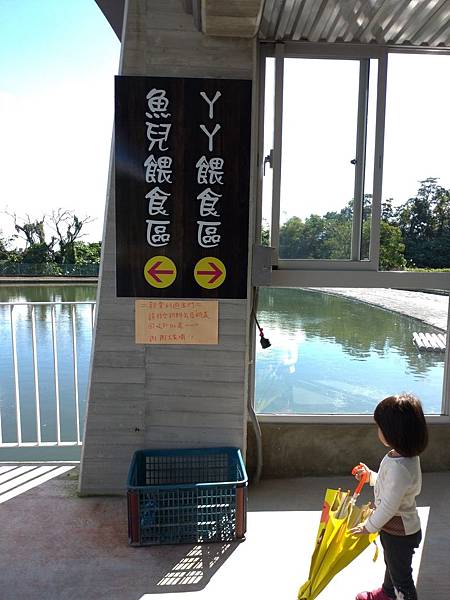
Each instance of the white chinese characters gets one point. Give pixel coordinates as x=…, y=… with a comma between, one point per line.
x=158, y=167
x=158, y=170
x=207, y=234
x=157, y=104
x=210, y=172
x=157, y=234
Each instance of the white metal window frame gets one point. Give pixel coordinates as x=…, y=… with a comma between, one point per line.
x=354, y=273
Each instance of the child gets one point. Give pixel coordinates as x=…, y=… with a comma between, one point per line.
x=401, y=427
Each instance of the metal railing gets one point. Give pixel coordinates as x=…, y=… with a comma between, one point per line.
x=37, y=376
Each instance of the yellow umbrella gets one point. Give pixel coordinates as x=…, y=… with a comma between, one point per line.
x=335, y=547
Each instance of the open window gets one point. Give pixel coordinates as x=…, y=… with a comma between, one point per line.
x=321, y=150
x=331, y=227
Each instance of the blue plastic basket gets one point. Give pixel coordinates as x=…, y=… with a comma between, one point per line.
x=186, y=496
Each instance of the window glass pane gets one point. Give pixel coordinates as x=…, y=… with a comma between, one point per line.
x=340, y=351
x=320, y=105
x=269, y=92
x=370, y=147
x=415, y=231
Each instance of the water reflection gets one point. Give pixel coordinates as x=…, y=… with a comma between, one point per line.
x=349, y=355
x=48, y=293
x=45, y=360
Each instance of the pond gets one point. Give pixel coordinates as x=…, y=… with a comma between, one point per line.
x=45, y=365
x=331, y=354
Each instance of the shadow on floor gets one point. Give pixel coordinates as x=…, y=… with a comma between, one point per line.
x=58, y=546
x=434, y=573
x=193, y=568
x=305, y=493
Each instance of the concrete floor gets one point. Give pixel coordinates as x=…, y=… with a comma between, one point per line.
x=57, y=546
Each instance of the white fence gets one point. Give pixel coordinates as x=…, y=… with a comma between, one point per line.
x=53, y=318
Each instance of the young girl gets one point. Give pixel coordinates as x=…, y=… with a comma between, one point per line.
x=401, y=427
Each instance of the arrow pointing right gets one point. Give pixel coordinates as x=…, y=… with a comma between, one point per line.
x=215, y=273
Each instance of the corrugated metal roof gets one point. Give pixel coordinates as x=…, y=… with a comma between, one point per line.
x=423, y=23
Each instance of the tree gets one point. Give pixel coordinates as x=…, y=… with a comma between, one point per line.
x=337, y=239
x=67, y=227
x=37, y=249
x=290, y=233
x=56, y=248
x=265, y=233
x=4, y=242
x=86, y=254
x=387, y=210
x=392, y=248
x=424, y=222
x=329, y=237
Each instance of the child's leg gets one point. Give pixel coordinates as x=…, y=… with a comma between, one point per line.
x=387, y=586
x=398, y=553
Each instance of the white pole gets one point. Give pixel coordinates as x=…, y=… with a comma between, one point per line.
x=36, y=375
x=75, y=372
x=55, y=368
x=16, y=377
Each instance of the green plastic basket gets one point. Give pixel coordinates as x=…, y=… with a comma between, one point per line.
x=187, y=496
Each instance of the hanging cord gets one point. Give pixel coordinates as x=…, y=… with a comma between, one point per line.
x=265, y=343
x=251, y=409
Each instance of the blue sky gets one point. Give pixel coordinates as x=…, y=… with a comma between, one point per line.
x=319, y=131
x=58, y=59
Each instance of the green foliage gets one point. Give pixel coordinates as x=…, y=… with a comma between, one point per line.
x=3, y=248
x=57, y=253
x=416, y=234
x=424, y=222
x=37, y=254
x=265, y=233
x=392, y=248
x=86, y=254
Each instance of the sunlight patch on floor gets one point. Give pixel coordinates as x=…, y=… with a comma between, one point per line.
x=15, y=480
x=272, y=563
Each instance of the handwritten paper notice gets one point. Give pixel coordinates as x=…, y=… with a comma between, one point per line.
x=177, y=321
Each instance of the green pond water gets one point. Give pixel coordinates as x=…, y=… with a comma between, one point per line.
x=329, y=355
x=45, y=364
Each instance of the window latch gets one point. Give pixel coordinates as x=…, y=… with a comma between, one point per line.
x=268, y=159
x=354, y=161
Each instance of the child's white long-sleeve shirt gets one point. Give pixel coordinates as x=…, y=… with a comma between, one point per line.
x=396, y=485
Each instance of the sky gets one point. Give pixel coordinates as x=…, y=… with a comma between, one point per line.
x=319, y=131
x=58, y=59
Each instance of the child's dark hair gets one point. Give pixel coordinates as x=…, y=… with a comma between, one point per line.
x=402, y=424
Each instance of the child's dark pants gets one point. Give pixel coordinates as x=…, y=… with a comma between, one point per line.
x=398, y=553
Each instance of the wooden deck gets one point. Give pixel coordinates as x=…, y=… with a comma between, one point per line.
x=430, y=342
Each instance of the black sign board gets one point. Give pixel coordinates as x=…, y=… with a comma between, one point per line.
x=182, y=161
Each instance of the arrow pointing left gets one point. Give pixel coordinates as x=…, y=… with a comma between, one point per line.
x=160, y=271
x=155, y=272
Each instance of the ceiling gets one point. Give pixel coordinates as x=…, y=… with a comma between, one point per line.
x=113, y=11
x=424, y=23
x=398, y=22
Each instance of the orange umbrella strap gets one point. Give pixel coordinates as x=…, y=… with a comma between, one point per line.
x=362, y=481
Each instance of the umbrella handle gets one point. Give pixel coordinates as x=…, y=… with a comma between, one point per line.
x=364, y=478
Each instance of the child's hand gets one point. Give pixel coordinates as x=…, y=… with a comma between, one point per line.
x=358, y=530
x=359, y=471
